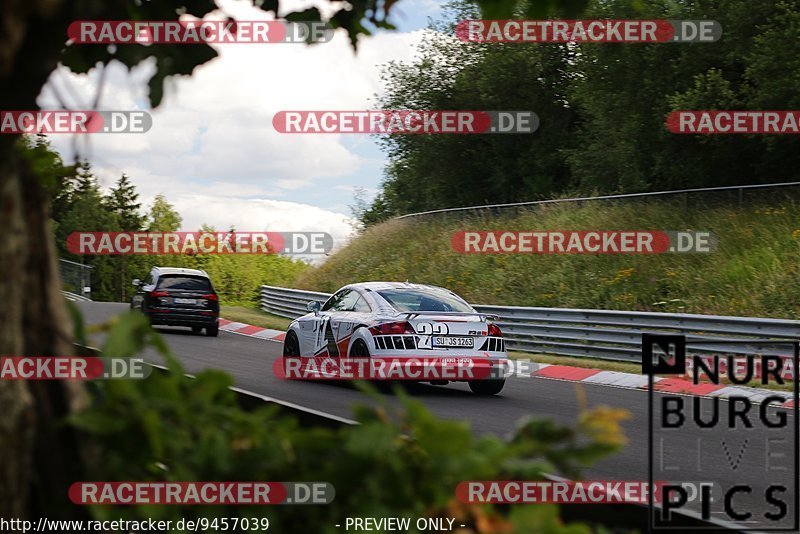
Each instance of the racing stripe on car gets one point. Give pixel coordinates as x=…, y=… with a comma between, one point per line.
x=344, y=344
x=332, y=347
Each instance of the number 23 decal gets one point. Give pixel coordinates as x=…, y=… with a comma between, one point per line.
x=438, y=329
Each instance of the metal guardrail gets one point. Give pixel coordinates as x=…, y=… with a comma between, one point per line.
x=289, y=303
x=76, y=278
x=604, y=334
x=738, y=189
x=74, y=297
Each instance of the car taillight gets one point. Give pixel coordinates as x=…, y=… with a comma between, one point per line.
x=211, y=296
x=159, y=294
x=401, y=327
x=494, y=331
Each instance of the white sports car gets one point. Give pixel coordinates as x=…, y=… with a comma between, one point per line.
x=398, y=320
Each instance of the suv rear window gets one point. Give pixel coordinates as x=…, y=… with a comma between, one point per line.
x=182, y=281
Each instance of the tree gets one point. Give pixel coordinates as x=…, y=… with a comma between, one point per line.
x=602, y=109
x=41, y=456
x=122, y=200
x=88, y=211
x=57, y=179
x=163, y=217
x=433, y=171
x=623, y=93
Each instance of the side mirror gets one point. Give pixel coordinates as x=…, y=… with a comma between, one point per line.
x=137, y=282
x=314, y=306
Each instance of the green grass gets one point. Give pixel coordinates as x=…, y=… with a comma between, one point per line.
x=755, y=271
x=255, y=317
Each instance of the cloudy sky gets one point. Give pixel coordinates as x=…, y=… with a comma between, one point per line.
x=212, y=149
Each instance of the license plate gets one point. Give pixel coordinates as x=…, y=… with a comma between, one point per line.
x=456, y=361
x=185, y=301
x=450, y=341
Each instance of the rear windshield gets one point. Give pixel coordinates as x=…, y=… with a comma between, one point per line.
x=195, y=283
x=412, y=300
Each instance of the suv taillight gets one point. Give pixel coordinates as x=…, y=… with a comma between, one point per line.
x=400, y=327
x=494, y=330
x=159, y=294
x=211, y=296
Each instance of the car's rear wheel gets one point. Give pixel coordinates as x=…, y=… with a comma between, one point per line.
x=212, y=331
x=486, y=387
x=291, y=346
x=359, y=349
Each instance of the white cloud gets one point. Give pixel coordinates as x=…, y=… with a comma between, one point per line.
x=255, y=215
x=212, y=146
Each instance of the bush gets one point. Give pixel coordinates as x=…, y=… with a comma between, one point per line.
x=400, y=462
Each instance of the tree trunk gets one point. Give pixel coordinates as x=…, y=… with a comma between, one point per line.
x=39, y=456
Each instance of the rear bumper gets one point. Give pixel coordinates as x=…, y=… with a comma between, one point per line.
x=442, y=368
x=182, y=318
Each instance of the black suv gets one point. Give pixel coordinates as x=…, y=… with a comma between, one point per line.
x=174, y=296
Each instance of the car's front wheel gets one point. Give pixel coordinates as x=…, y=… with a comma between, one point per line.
x=487, y=387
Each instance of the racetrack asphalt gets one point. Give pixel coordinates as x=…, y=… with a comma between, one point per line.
x=250, y=362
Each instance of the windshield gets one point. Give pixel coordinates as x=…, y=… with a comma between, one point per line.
x=413, y=300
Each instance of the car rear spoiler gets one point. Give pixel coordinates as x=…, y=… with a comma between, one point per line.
x=485, y=316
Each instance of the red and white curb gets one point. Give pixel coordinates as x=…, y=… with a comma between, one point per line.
x=250, y=330
x=580, y=374
x=666, y=385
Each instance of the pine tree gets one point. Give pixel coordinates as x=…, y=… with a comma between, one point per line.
x=122, y=200
x=87, y=211
x=163, y=217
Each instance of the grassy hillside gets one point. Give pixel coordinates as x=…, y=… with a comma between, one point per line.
x=754, y=271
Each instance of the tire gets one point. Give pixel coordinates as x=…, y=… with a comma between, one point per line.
x=212, y=331
x=291, y=345
x=359, y=349
x=487, y=387
x=197, y=329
